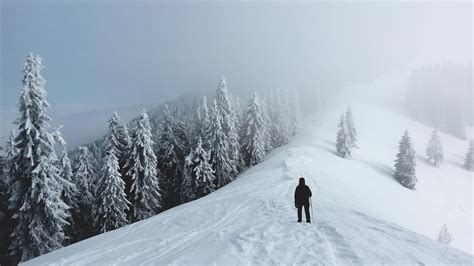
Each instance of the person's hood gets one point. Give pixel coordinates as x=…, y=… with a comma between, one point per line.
x=302, y=181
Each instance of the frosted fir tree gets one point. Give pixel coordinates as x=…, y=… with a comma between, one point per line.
x=6, y=224
x=434, y=150
x=351, y=130
x=444, y=236
x=86, y=178
x=405, y=163
x=285, y=114
x=39, y=214
x=8, y=165
x=218, y=147
x=172, y=149
x=69, y=194
x=279, y=122
x=294, y=111
x=142, y=163
x=343, y=142
x=203, y=120
x=268, y=124
x=469, y=160
x=199, y=178
x=274, y=120
x=120, y=141
x=238, y=113
x=112, y=201
x=253, y=134
x=229, y=125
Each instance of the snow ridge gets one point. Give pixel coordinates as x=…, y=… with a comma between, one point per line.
x=253, y=221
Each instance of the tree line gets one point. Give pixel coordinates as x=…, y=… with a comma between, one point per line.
x=179, y=154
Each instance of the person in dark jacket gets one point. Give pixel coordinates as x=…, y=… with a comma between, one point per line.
x=302, y=195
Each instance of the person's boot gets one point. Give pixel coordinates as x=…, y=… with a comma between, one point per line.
x=308, y=221
x=299, y=221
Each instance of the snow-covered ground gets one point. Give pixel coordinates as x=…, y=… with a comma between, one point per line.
x=362, y=215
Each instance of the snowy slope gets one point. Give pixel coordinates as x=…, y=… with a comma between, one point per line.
x=362, y=215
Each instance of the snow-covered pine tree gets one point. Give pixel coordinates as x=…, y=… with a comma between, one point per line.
x=444, y=235
x=268, y=123
x=120, y=141
x=69, y=194
x=238, y=113
x=112, y=202
x=198, y=175
x=295, y=112
x=117, y=139
x=286, y=114
x=279, y=125
x=6, y=225
x=39, y=214
x=142, y=163
x=95, y=148
x=218, y=147
x=172, y=149
x=203, y=121
x=86, y=178
x=352, y=132
x=469, y=160
x=7, y=169
x=405, y=163
x=229, y=125
x=343, y=144
x=253, y=134
x=434, y=150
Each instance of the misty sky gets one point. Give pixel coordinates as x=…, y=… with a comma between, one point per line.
x=128, y=53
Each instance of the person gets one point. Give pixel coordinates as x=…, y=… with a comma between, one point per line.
x=302, y=195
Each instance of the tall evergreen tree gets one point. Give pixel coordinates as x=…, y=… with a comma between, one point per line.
x=238, y=113
x=199, y=178
x=85, y=177
x=253, y=134
x=268, y=123
x=405, y=163
x=39, y=214
x=343, y=142
x=112, y=201
x=70, y=195
x=469, y=161
x=286, y=114
x=120, y=141
x=172, y=149
x=279, y=123
x=145, y=190
x=228, y=123
x=351, y=130
x=6, y=225
x=434, y=150
x=218, y=147
x=119, y=138
x=203, y=121
x=294, y=111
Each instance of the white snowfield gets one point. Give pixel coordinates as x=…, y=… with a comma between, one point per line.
x=361, y=214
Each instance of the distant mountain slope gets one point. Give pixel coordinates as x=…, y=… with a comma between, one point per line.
x=362, y=215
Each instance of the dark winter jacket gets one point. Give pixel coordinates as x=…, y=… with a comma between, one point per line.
x=302, y=193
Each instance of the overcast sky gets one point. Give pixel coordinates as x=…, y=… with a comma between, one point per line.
x=128, y=53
